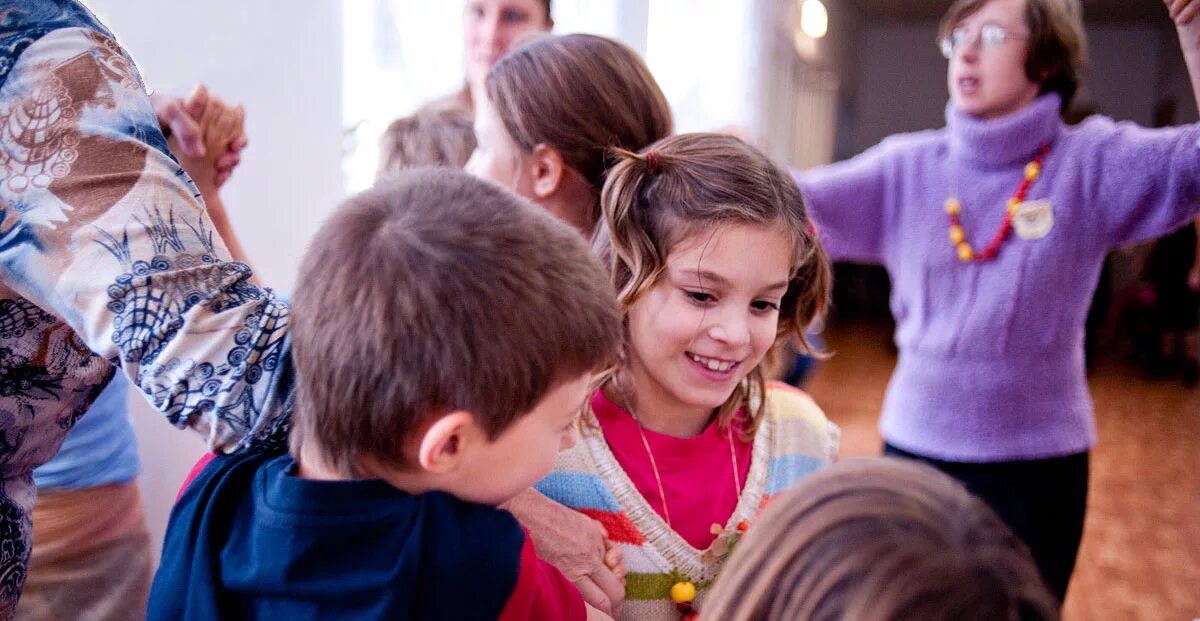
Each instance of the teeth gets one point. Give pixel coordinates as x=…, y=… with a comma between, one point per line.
x=713, y=365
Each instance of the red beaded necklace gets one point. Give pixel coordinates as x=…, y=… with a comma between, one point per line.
x=958, y=236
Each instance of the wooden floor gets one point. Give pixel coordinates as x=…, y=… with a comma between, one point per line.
x=1140, y=558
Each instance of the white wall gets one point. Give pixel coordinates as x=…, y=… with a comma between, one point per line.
x=704, y=62
x=285, y=66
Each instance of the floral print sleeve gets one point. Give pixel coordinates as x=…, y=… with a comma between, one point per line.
x=108, y=262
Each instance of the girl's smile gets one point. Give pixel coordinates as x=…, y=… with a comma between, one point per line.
x=708, y=321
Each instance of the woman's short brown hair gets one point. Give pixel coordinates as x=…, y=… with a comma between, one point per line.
x=880, y=539
x=436, y=292
x=689, y=183
x=1057, y=42
x=582, y=95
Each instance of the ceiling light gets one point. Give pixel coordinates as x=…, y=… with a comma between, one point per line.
x=814, y=19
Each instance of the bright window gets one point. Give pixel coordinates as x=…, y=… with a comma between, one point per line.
x=400, y=54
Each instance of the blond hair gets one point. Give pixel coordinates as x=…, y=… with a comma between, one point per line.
x=692, y=182
x=431, y=137
x=436, y=292
x=880, y=539
x=581, y=95
x=1057, y=42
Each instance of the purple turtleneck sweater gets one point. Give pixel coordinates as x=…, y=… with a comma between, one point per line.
x=991, y=363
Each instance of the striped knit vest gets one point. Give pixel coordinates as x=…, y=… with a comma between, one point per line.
x=793, y=440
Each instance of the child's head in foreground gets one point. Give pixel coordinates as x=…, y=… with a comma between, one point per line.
x=880, y=539
x=714, y=261
x=445, y=332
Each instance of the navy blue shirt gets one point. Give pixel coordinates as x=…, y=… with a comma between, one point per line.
x=251, y=540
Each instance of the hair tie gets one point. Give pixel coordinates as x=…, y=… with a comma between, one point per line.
x=651, y=162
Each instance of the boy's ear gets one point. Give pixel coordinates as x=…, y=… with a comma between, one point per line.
x=444, y=443
x=548, y=171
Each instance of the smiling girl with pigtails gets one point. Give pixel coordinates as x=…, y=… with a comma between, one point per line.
x=714, y=262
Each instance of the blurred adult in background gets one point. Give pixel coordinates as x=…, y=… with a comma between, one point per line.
x=993, y=230
x=492, y=28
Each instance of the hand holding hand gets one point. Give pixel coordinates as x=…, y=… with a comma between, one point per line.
x=220, y=141
x=1182, y=11
x=578, y=546
x=179, y=121
x=219, y=126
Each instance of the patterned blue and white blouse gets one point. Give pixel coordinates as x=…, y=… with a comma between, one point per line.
x=108, y=261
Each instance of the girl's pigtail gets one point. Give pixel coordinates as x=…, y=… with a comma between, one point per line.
x=624, y=242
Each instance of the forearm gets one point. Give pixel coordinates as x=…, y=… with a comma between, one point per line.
x=1189, y=41
x=594, y=614
x=224, y=228
x=529, y=505
x=848, y=202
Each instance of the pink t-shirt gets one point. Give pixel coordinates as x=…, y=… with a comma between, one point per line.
x=697, y=473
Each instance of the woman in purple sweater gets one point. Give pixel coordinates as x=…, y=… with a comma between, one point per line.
x=993, y=230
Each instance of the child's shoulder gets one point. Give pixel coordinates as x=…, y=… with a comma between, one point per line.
x=786, y=402
x=471, y=518
x=799, y=425
x=581, y=474
x=802, y=439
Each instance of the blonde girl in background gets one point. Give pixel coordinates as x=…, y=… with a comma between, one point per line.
x=427, y=138
x=715, y=263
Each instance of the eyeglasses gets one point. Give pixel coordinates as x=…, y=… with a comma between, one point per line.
x=990, y=36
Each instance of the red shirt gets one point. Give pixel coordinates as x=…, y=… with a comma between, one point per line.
x=204, y=460
x=542, y=592
x=696, y=473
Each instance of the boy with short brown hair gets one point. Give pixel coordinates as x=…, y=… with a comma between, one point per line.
x=445, y=334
